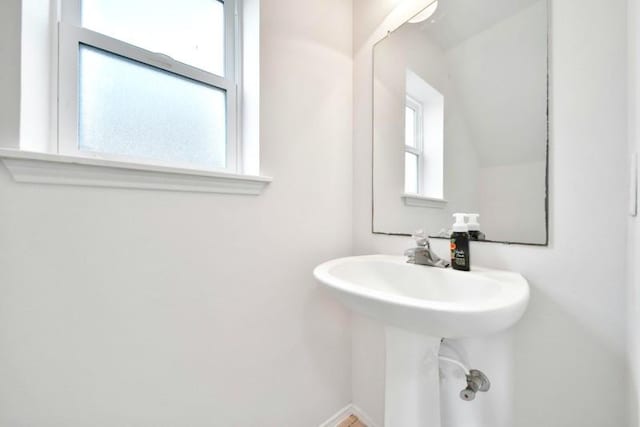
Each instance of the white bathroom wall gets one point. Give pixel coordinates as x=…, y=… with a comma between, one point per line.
x=140, y=308
x=567, y=364
x=634, y=228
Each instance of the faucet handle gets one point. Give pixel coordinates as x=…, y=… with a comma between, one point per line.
x=421, y=238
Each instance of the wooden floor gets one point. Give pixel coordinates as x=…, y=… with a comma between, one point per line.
x=352, y=421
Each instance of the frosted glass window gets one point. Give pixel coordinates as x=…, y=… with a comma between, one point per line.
x=410, y=173
x=136, y=110
x=410, y=127
x=190, y=31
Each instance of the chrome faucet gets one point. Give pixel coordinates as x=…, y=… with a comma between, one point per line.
x=422, y=253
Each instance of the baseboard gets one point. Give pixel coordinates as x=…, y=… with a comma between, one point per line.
x=366, y=419
x=343, y=413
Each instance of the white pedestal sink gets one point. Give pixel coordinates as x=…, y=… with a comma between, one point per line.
x=420, y=305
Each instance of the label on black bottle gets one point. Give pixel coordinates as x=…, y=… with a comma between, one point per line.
x=460, y=251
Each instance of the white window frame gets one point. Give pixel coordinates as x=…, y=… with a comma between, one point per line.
x=72, y=35
x=418, y=135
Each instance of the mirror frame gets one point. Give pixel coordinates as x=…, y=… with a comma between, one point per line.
x=547, y=142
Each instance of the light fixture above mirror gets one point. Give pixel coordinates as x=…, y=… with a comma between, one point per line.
x=426, y=13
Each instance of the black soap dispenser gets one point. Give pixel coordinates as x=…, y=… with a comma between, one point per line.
x=460, y=259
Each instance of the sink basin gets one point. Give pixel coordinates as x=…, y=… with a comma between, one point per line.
x=431, y=301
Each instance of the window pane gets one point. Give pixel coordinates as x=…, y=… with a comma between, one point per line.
x=190, y=31
x=410, y=127
x=129, y=108
x=410, y=173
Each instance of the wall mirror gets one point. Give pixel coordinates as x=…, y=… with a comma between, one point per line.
x=460, y=120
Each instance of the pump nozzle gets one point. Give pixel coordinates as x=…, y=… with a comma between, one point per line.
x=460, y=225
x=472, y=222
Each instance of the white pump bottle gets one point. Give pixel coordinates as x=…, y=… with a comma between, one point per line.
x=474, y=227
x=460, y=226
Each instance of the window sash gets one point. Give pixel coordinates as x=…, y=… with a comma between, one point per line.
x=71, y=36
x=416, y=107
x=418, y=135
x=71, y=14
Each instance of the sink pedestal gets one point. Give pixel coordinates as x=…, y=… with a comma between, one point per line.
x=412, y=390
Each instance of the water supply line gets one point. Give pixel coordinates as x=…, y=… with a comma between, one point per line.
x=454, y=362
x=477, y=381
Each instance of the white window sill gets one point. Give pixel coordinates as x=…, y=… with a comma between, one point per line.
x=416, y=200
x=46, y=168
